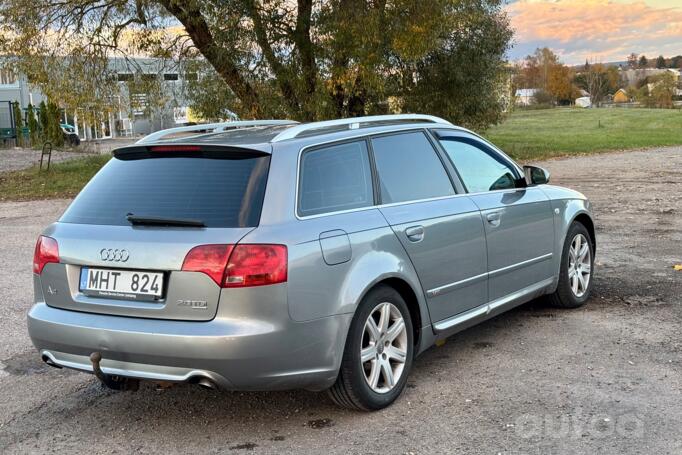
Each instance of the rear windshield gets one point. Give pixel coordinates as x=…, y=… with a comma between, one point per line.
x=219, y=192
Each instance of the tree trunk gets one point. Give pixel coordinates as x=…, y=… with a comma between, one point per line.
x=221, y=60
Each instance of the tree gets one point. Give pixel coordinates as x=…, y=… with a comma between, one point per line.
x=32, y=123
x=676, y=62
x=643, y=62
x=632, y=60
x=54, y=132
x=663, y=90
x=660, y=62
x=543, y=71
x=536, y=68
x=44, y=121
x=18, y=123
x=560, y=84
x=307, y=59
x=598, y=83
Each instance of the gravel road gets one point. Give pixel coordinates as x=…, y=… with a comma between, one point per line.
x=605, y=378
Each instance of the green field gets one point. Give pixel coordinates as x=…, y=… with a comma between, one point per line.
x=536, y=134
x=62, y=180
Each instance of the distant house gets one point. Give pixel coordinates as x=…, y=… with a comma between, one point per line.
x=526, y=96
x=636, y=76
x=621, y=96
x=583, y=101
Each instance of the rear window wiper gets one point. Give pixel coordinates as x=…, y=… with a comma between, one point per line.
x=143, y=220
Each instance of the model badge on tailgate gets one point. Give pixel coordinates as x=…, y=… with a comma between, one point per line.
x=196, y=304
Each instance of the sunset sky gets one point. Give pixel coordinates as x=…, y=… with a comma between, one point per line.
x=598, y=30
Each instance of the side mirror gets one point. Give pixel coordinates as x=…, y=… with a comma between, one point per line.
x=536, y=175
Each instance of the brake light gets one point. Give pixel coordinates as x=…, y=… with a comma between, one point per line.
x=256, y=265
x=239, y=266
x=175, y=148
x=209, y=259
x=47, y=250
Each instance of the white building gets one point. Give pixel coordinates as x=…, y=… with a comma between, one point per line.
x=526, y=96
x=583, y=101
x=124, y=120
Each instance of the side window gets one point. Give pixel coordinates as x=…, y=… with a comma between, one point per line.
x=409, y=168
x=480, y=169
x=335, y=178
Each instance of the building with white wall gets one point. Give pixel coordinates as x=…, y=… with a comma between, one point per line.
x=131, y=114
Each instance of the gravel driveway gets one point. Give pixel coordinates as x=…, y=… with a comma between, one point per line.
x=606, y=378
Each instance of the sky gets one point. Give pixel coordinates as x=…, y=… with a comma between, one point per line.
x=597, y=30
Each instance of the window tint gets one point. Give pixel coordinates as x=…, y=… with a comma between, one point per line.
x=219, y=192
x=480, y=169
x=335, y=178
x=409, y=168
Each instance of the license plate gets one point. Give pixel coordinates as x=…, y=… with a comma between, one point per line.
x=126, y=284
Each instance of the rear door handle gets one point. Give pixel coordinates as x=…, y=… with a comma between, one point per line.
x=415, y=233
x=493, y=218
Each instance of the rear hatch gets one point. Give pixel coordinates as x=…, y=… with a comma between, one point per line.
x=123, y=241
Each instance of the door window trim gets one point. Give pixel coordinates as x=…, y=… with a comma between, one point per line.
x=454, y=179
x=486, y=147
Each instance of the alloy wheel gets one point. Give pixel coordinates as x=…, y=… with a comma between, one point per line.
x=579, y=265
x=384, y=347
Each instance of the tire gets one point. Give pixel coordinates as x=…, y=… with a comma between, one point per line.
x=352, y=387
x=565, y=295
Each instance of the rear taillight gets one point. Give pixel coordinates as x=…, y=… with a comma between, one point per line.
x=256, y=265
x=46, y=251
x=209, y=259
x=239, y=266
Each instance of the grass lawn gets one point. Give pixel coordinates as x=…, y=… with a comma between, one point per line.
x=531, y=135
x=62, y=180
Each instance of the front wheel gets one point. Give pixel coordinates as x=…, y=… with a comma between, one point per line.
x=577, y=263
x=378, y=353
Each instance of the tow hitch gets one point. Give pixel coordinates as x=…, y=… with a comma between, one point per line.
x=112, y=381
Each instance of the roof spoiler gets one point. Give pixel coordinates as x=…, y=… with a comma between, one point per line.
x=187, y=150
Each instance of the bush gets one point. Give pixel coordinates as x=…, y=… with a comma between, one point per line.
x=542, y=97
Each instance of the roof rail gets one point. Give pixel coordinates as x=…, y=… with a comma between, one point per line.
x=214, y=127
x=354, y=123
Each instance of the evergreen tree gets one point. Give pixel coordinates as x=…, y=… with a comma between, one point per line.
x=660, y=62
x=54, y=129
x=43, y=119
x=32, y=123
x=18, y=123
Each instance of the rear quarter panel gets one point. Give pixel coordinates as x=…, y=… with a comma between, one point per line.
x=316, y=289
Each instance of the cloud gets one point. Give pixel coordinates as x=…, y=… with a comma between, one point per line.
x=599, y=30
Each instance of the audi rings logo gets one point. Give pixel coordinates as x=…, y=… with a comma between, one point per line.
x=107, y=254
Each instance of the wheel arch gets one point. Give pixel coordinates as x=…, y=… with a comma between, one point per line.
x=409, y=295
x=586, y=220
x=401, y=276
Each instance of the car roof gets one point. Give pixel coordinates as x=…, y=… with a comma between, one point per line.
x=262, y=135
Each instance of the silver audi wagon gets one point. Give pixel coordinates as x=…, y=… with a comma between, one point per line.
x=271, y=255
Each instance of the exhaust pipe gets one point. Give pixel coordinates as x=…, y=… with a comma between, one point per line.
x=207, y=384
x=50, y=362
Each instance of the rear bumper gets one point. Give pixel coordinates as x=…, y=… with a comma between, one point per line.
x=235, y=353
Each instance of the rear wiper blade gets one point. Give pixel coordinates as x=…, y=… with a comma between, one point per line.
x=162, y=221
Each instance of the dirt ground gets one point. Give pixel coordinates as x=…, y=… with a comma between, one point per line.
x=606, y=378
